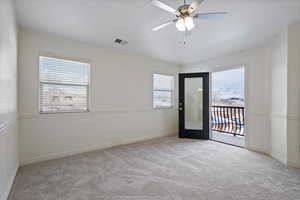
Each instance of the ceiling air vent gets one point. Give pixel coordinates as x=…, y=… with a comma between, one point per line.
x=121, y=42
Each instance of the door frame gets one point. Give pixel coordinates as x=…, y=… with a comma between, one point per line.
x=221, y=68
x=189, y=133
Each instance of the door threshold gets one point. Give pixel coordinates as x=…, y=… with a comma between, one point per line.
x=238, y=141
x=227, y=143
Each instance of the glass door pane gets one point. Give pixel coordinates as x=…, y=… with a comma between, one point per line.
x=193, y=104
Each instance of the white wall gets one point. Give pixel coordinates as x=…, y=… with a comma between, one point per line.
x=285, y=96
x=256, y=87
x=278, y=97
x=121, y=100
x=293, y=91
x=8, y=110
x=272, y=94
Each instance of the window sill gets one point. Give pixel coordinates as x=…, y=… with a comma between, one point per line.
x=163, y=108
x=64, y=112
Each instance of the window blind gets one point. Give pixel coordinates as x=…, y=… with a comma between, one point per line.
x=63, y=85
x=163, y=91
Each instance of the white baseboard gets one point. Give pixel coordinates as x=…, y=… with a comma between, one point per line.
x=53, y=156
x=293, y=164
x=9, y=187
x=257, y=150
x=278, y=158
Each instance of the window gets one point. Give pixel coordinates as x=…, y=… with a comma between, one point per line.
x=163, y=89
x=64, y=85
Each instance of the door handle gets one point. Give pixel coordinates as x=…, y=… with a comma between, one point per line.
x=180, y=106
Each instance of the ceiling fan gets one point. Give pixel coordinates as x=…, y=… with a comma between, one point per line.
x=185, y=15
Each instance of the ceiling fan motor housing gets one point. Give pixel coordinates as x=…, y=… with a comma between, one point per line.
x=184, y=10
x=184, y=15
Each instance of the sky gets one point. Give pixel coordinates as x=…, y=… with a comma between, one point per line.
x=229, y=83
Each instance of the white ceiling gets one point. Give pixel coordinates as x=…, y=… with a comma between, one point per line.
x=250, y=23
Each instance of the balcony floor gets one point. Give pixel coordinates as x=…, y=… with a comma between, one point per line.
x=228, y=138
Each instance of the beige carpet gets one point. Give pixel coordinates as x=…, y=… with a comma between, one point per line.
x=161, y=169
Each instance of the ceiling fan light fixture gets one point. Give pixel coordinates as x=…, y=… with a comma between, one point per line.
x=180, y=25
x=185, y=15
x=189, y=23
x=184, y=24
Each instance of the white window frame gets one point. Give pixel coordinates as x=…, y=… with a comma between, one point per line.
x=172, y=91
x=40, y=83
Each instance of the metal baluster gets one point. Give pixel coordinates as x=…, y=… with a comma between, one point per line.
x=240, y=119
x=228, y=119
x=218, y=119
x=213, y=118
x=243, y=111
x=231, y=120
x=223, y=118
x=235, y=122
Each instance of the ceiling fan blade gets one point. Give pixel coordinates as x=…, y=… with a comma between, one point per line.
x=164, y=25
x=164, y=7
x=212, y=15
x=194, y=5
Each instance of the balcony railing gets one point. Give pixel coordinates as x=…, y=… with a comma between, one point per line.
x=228, y=119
